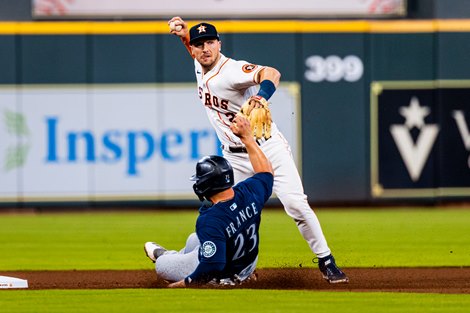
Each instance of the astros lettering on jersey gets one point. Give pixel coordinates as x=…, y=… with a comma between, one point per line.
x=223, y=90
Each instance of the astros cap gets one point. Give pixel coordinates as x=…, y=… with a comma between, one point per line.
x=202, y=31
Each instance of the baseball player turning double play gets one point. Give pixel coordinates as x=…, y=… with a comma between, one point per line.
x=224, y=249
x=228, y=87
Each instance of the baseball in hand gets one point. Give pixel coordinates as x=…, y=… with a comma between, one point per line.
x=173, y=26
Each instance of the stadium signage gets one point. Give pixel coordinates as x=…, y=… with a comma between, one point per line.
x=132, y=146
x=333, y=68
x=214, y=8
x=420, y=139
x=111, y=142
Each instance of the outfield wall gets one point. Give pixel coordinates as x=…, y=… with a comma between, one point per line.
x=92, y=112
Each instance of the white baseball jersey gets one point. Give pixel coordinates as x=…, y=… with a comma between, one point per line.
x=223, y=90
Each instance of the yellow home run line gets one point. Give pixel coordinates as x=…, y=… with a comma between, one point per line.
x=236, y=26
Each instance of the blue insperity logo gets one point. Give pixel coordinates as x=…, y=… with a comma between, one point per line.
x=134, y=147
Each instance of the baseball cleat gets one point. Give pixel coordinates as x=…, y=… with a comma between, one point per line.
x=153, y=251
x=330, y=271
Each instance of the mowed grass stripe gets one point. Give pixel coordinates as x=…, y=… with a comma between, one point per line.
x=405, y=237
x=241, y=300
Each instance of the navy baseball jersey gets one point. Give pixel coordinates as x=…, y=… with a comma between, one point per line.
x=228, y=230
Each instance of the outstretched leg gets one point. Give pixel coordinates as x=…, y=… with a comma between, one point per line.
x=289, y=189
x=174, y=265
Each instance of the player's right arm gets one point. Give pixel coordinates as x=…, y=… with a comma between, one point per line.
x=241, y=128
x=183, y=33
x=203, y=273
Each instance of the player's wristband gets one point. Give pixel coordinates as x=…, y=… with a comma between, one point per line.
x=187, y=281
x=266, y=89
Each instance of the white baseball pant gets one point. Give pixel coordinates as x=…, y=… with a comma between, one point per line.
x=288, y=188
x=177, y=265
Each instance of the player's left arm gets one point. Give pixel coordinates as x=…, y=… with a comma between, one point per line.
x=268, y=78
x=269, y=73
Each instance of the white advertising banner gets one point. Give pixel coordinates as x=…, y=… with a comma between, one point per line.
x=14, y=143
x=216, y=8
x=111, y=142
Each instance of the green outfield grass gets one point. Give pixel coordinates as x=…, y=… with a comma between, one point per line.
x=242, y=300
x=359, y=238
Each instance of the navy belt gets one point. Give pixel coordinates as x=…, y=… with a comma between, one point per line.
x=241, y=149
x=237, y=149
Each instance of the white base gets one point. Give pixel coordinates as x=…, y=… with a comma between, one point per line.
x=12, y=282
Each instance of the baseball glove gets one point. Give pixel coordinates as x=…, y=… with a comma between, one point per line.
x=256, y=110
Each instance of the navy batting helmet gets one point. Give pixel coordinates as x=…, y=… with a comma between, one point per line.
x=213, y=174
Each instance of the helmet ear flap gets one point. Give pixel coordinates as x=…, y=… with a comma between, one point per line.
x=198, y=192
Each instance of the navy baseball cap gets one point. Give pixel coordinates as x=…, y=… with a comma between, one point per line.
x=202, y=31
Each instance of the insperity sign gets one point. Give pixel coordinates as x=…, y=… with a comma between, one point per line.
x=111, y=142
x=420, y=139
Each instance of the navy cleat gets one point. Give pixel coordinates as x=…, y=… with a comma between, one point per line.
x=330, y=271
x=153, y=251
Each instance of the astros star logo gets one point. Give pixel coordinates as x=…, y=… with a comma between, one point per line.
x=201, y=29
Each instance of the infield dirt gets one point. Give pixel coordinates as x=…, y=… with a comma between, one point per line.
x=426, y=280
